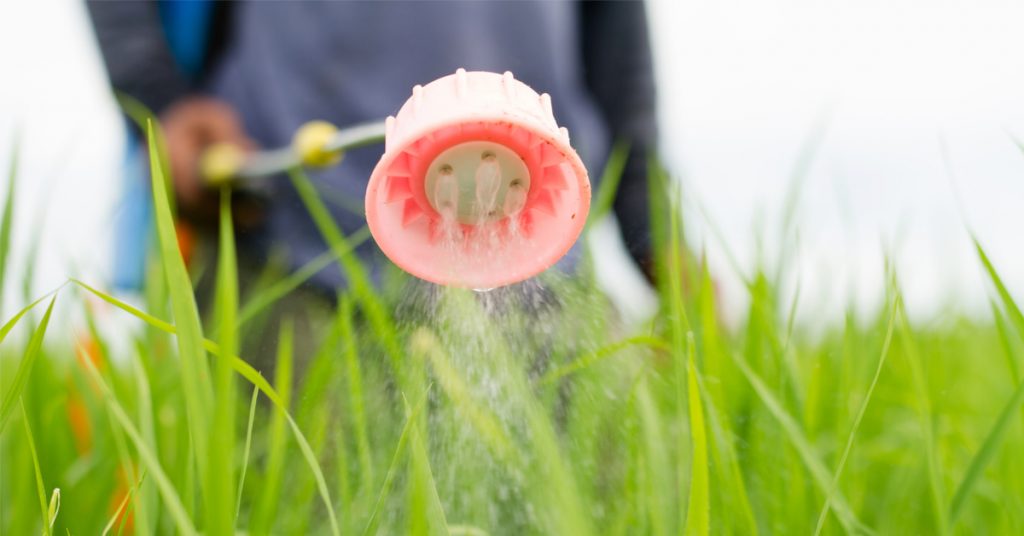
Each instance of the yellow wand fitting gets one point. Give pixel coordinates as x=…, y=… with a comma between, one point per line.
x=221, y=162
x=311, y=141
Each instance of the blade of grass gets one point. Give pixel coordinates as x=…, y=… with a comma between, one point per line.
x=54, y=508
x=553, y=484
x=355, y=391
x=294, y=280
x=172, y=502
x=263, y=518
x=220, y=476
x=927, y=422
x=698, y=509
x=9, y=325
x=362, y=287
x=188, y=487
x=149, y=319
x=466, y=530
x=1012, y=310
x=40, y=488
x=7, y=218
x=724, y=459
x=389, y=477
x=145, y=507
x=420, y=462
x=28, y=361
x=679, y=329
x=245, y=452
x=609, y=185
x=316, y=423
x=710, y=337
x=600, y=354
x=803, y=447
x=994, y=438
x=195, y=373
x=676, y=300
x=731, y=488
x=860, y=417
x=123, y=452
x=142, y=116
x=1005, y=340
x=4, y=331
x=657, y=493
x=658, y=197
x=349, y=508
x=121, y=506
x=252, y=376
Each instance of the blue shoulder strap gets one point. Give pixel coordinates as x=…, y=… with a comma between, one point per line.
x=186, y=25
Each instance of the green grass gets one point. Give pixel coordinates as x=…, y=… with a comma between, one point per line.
x=478, y=416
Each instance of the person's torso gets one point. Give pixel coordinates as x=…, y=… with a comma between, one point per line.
x=352, y=62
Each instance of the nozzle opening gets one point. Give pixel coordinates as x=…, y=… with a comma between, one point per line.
x=477, y=182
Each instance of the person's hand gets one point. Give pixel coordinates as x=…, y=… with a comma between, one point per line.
x=190, y=126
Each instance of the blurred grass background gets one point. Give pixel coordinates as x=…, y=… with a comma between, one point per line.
x=491, y=414
x=823, y=387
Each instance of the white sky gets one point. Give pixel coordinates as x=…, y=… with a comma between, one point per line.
x=742, y=84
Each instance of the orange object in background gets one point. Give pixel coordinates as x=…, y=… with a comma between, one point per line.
x=186, y=240
x=90, y=354
x=124, y=523
x=78, y=420
x=89, y=349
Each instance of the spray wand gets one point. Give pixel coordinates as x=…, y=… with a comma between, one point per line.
x=477, y=187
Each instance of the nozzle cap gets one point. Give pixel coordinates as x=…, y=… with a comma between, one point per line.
x=478, y=186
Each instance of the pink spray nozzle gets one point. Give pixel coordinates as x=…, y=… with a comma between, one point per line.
x=478, y=186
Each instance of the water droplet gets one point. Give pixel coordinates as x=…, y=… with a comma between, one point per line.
x=488, y=182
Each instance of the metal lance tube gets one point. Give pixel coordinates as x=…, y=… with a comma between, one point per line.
x=223, y=163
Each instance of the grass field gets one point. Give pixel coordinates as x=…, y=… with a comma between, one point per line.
x=529, y=411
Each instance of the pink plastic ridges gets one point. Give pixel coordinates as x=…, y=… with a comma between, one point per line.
x=513, y=193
